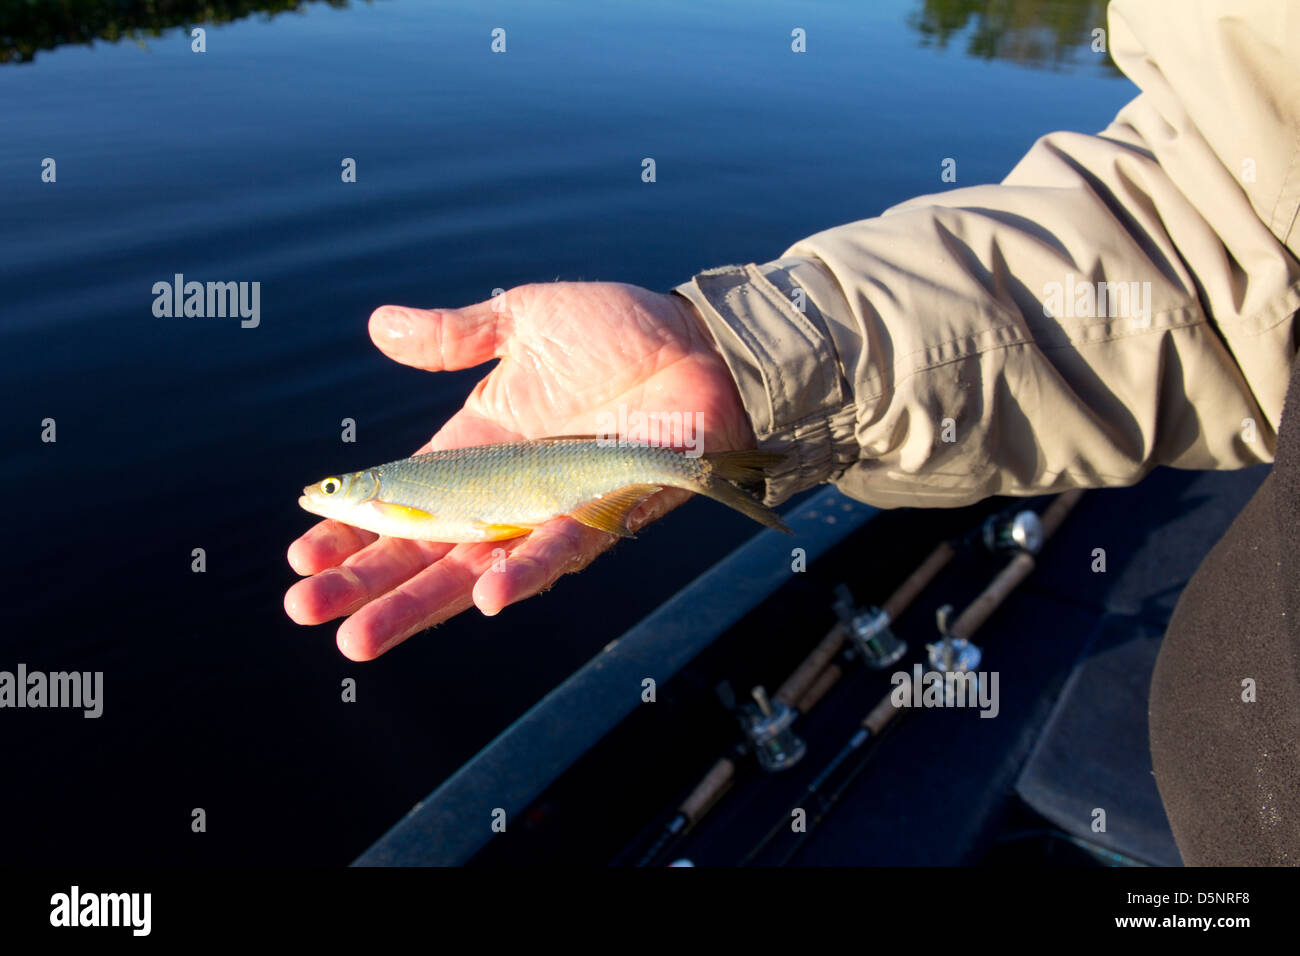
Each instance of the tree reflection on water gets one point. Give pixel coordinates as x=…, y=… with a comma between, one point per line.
x=1037, y=33
x=27, y=26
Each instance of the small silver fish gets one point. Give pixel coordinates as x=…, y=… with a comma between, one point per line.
x=492, y=492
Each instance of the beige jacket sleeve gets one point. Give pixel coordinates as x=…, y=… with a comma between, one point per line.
x=991, y=339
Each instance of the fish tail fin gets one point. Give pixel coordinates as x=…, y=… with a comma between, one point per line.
x=729, y=468
x=742, y=467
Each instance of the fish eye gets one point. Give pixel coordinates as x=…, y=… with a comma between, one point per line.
x=330, y=485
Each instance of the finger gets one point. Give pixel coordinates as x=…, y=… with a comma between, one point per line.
x=371, y=572
x=440, y=591
x=325, y=545
x=442, y=339
x=559, y=547
x=556, y=548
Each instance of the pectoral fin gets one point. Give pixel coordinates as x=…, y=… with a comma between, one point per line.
x=499, y=532
x=609, y=512
x=394, y=512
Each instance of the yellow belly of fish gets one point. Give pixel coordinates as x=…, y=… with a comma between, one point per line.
x=401, y=521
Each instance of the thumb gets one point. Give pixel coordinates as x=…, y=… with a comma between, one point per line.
x=442, y=339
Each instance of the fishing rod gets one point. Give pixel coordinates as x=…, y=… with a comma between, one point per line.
x=768, y=732
x=1012, y=530
x=954, y=653
x=880, y=645
x=768, y=729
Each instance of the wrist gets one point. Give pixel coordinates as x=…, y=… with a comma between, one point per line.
x=733, y=429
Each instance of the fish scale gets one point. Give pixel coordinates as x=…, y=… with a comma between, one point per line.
x=492, y=492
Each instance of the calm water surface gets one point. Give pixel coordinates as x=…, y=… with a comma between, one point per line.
x=475, y=171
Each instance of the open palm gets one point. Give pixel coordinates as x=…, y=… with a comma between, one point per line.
x=568, y=351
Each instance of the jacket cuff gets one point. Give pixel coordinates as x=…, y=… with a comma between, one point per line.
x=775, y=340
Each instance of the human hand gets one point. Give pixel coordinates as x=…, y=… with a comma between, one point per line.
x=568, y=351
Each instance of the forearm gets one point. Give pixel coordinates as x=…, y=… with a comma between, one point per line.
x=946, y=350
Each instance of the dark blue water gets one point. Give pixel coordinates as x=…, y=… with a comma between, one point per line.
x=475, y=171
